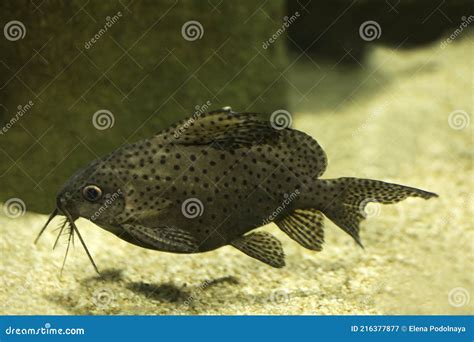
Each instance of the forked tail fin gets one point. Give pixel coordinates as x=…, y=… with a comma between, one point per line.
x=350, y=196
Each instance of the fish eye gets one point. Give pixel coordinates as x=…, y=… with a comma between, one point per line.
x=92, y=193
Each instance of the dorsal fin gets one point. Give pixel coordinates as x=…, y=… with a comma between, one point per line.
x=223, y=129
x=305, y=226
x=262, y=246
x=227, y=130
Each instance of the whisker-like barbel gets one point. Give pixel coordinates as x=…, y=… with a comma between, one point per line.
x=73, y=225
x=71, y=233
x=60, y=233
x=50, y=218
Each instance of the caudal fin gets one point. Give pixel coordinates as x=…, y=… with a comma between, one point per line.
x=350, y=196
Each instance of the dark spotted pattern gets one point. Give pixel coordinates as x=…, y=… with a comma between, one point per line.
x=238, y=172
x=262, y=246
x=345, y=198
x=305, y=227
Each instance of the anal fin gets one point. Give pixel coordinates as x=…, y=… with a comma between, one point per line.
x=262, y=246
x=305, y=226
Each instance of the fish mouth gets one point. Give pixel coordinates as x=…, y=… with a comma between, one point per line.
x=71, y=229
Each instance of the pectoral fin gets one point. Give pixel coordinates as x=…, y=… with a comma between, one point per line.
x=262, y=246
x=168, y=239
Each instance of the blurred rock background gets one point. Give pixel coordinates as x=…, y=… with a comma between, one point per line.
x=143, y=64
x=330, y=29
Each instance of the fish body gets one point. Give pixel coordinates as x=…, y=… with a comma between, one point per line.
x=209, y=181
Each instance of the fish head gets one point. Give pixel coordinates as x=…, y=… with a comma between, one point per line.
x=92, y=193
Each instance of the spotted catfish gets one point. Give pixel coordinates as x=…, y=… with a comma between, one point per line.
x=209, y=181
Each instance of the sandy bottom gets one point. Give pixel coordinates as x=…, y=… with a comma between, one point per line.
x=388, y=120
